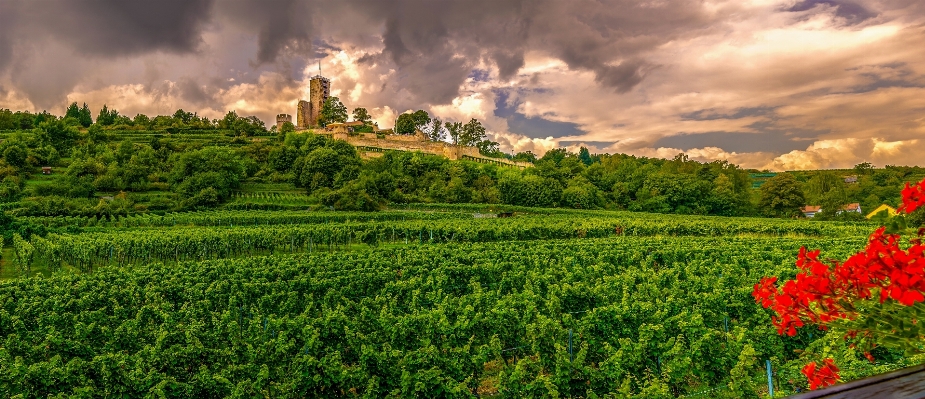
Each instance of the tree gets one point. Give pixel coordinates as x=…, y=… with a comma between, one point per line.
x=332, y=111
x=107, y=117
x=585, y=156
x=361, y=115
x=825, y=185
x=863, y=168
x=408, y=123
x=525, y=156
x=15, y=155
x=207, y=173
x=454, y=130
x=73, y=111
x=421, y=119
x=436, y=132
x=782, y=196
x=84, y=116
x=472, y=133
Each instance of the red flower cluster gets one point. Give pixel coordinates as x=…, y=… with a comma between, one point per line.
x=824, y=291
x=913, y=197
x=823, y=376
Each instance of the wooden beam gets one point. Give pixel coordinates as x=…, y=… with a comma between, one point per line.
x=908, y=383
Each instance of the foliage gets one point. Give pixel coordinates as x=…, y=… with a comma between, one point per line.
x=646, y=318
x=332, y=111
x=408, y=123
x=208, y=175
x=781, y=196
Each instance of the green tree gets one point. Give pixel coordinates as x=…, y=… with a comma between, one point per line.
x=781, y=196
x=454, y=130
x=407, y=123
x=84, y=116
x=73, y=111
x=107, y=116
x=332, y=111
x=863, y=168
x=15, y=155
x=436, y=132
x=824, y=185
x=217, y=168
x=525, y=156
x=472, y=133
x=361, y=115
x=421, y=119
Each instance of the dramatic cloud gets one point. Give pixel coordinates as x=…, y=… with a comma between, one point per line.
x=777, y=84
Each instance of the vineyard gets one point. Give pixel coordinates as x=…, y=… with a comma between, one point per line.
x=424, y=302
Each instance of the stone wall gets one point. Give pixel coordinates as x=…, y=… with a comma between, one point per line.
x=303, y=114
x=370, y=146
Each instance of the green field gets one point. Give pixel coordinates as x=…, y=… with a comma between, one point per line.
x=426, y=301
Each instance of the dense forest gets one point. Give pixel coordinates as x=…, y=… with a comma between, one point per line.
x=116, y=165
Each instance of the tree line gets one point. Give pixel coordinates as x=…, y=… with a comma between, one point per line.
x=144, y=169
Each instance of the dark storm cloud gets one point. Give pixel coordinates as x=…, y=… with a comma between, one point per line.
x=117, y=28
x=7, y=21
x=436, y=43
x=193, y=92
x=449, y=38
x=282, y=26
x=851, y=12
x=622, y=77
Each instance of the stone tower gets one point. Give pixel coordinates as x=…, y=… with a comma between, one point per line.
x=320, y=90
x=281, y=119
x=303, y=115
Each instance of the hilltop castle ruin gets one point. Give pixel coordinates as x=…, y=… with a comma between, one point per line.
x=372, y=145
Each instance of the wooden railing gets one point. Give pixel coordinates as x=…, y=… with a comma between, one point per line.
x=908, y=383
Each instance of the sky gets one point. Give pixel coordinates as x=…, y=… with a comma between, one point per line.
x=766, y=84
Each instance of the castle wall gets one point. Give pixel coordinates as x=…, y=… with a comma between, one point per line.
x=303, y=114
x=412, y=143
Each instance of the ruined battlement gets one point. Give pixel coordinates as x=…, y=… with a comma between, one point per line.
x=371, y=145
x=281, y=119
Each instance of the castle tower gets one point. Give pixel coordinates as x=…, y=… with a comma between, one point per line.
x=319, y=91
x=303, y=115
x=281, y=119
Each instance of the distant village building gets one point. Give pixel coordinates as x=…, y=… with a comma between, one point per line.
x=851, y=179
x=46, y=170
x=811, y=210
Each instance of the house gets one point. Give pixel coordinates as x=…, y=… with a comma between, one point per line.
x=884, y=207
x=851, y=179
x=810, y=210
x=46, y=170
x=852, y=207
